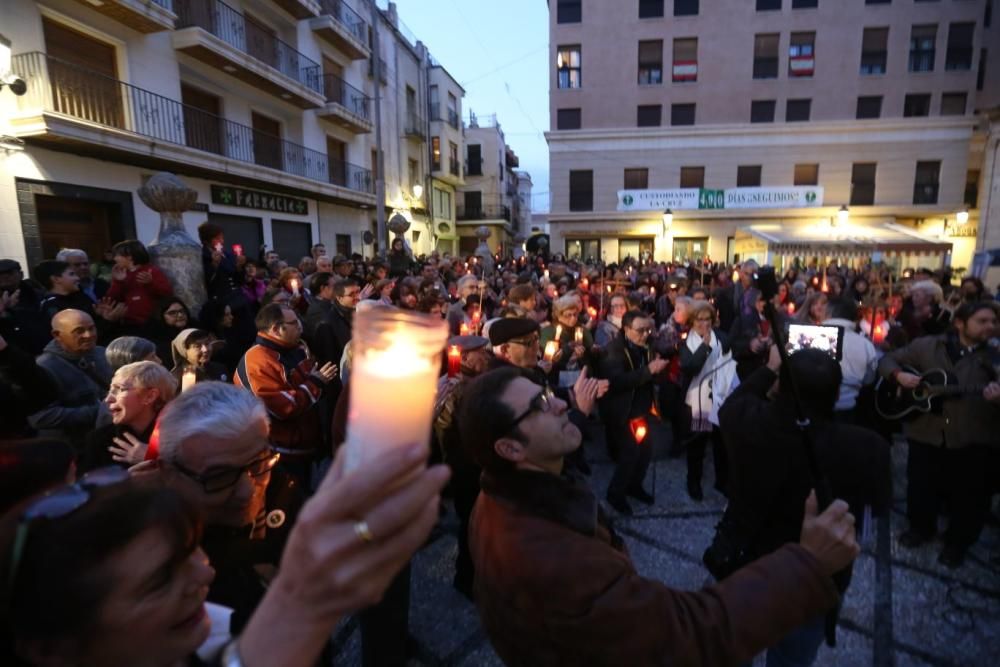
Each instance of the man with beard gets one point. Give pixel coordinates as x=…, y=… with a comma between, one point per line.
x=948, y=448
x=82, y=373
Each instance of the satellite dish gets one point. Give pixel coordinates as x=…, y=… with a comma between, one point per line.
x=368, y=238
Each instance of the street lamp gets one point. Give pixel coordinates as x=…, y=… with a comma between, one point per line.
x=962, y=216
x=668, y=220
x=418, y=190
x=842, y=215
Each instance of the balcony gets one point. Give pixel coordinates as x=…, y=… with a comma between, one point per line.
x=300, y=9
x=343, y=28
x=141, y=15
x=450, y=116
x=346, y=105
x=413, y=126
x=73, y=109
x=482, y=212
x=218, y=35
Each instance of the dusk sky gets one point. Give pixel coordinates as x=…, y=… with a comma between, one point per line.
x=498, y=53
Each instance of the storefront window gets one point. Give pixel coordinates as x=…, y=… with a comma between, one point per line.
x=693, y=249
x=584, y=249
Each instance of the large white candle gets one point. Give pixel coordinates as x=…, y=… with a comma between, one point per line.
x=394, y=375
x=188, y=379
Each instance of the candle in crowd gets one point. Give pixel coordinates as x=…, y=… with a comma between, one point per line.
x=454, y=360
x=578, y=335
x=295, y=286
x=237, y=250
x=550, y=350
x=397, y=358
x=188, y=379
x=558, y=332
x=463, y=329
x=791, y=308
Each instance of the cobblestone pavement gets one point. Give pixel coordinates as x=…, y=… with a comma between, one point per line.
x=902, y=608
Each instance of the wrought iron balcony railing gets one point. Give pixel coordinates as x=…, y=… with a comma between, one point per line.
x=346, y=17
x=59, y=86
x=482, y=212
x=339, y=91
x=250, y=37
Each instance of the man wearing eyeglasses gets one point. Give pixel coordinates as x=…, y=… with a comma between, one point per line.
x=213, y=447
x=281, y=372
x=631, y=372
x=555, y=586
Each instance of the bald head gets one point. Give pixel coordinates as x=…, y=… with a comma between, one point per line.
x=75, y=331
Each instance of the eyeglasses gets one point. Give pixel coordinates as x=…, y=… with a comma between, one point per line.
x=542, y=402
x=57, y=504
x=526, y=342
x=224, y=479
x=174, y=313
x=116, y=389
x=643, y=331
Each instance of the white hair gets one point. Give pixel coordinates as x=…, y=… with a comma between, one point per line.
x=930, y=288
x=64, y=254
x=149, y=375
x=209, y=409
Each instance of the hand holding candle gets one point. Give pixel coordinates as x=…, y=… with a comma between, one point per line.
x=550, y=351
x=578, y=335
x=295, y=287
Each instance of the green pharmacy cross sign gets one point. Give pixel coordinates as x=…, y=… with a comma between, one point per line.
x=256, y=199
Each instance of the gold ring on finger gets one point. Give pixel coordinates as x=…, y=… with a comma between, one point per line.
x=362, y=530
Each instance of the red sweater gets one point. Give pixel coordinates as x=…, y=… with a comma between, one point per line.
x=140, y=299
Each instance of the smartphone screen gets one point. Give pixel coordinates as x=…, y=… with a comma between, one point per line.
x=828, y=338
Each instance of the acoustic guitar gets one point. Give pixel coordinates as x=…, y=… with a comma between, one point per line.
x=892, y=401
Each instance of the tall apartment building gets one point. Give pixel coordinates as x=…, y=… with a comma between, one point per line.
x=490, y=194
x=447, y=145
x=770, y=124
x=264, y=107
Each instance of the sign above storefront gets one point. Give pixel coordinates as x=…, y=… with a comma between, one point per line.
x=693, y=199
x=256, y=199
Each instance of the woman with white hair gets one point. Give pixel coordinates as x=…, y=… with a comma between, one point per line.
x=574, y=340
x=138, y=393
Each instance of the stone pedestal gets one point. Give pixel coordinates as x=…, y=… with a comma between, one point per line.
x=173, y=250
x=483, y=251
x=398, y=226
x=518, y=247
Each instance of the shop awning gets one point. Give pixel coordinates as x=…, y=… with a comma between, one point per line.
x=842, y=240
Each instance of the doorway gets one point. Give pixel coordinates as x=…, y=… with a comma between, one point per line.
x=292, y=240
x=266, y=141
x=240, y=229
x=61, y=215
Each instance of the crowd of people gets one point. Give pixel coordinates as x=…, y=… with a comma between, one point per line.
x=173, y=486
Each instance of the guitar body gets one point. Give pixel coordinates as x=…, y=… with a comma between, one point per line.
x=894, y=402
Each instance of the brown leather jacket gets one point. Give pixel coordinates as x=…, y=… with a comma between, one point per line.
x=555, y=586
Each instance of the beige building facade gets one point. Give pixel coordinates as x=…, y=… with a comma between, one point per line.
x=489, y=195
x=264, y=107
x=877, y=107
